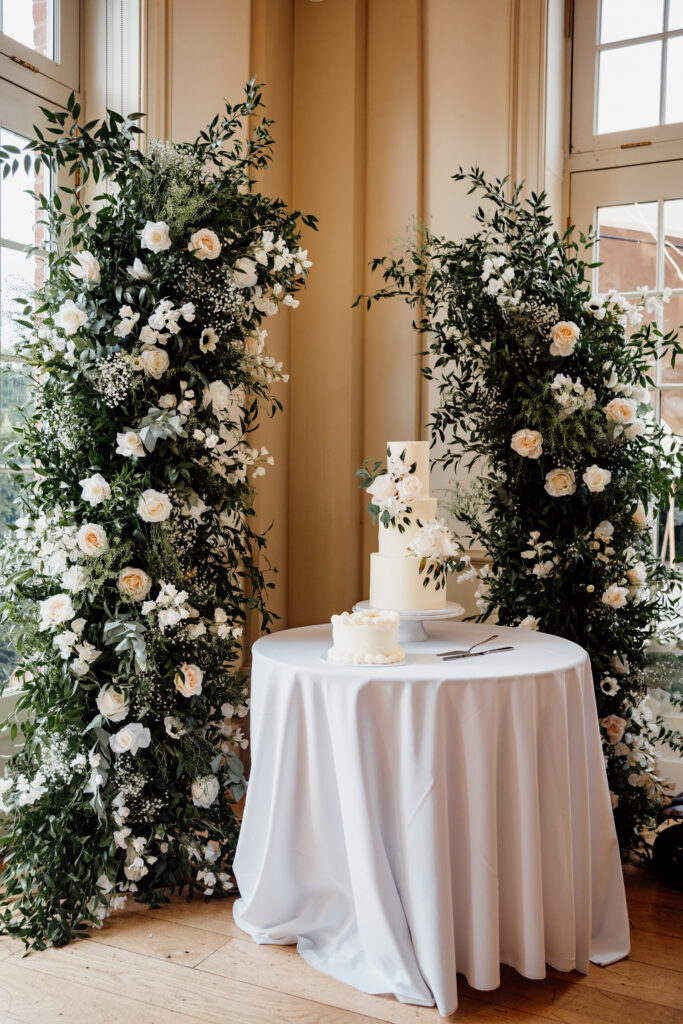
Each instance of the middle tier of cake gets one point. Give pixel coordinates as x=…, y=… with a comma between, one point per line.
x=393, y=542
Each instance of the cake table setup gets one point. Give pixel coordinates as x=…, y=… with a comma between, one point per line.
x=419, y=808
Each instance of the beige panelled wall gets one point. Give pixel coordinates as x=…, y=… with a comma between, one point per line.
x=377, y=102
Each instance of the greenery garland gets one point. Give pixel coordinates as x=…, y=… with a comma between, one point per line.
x=130, y=574
x=544, y=386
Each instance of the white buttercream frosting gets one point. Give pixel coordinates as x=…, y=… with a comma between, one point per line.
x=365, y=638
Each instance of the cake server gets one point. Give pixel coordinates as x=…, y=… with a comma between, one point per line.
x=466, y=650
x=474, y=654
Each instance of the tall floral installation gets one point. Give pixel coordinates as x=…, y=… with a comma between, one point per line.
x=544, y=388
x=129, y=575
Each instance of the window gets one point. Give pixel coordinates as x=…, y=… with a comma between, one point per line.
x=41, y=37
x=627, y=73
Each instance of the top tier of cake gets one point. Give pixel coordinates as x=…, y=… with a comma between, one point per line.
x=392, y=541
x=415, y=452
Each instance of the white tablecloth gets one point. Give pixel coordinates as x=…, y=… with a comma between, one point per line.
x=408, y=822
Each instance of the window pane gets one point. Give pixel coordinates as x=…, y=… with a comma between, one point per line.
x=628, y=87
x=627, y=246
x=672, y=409
x=19, y=275
x=18, y=211
x=674, y=81
x=30, y=22
x=627, y=19
x=673, y=243
x=673, y=317
x=15, y=401
x=675, y=15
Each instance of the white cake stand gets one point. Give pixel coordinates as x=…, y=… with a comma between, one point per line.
x=411, y=629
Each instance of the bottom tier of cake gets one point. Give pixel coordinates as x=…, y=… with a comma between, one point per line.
x=396, y=583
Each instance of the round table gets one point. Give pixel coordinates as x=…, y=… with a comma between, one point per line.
x=405, y=823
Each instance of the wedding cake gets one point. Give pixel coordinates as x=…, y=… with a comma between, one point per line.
x=395, y=579
x=365, y=638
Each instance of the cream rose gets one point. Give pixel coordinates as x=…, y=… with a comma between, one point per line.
x=527, y=443
x=154, y=361
x=614, y=726
x=205, y=790
x=244, y=273
x=130, y=739
x=85, y=267
x=621, y=411
x=188, y=680
x=92, y=539
x=112, y=703
x=563, y=337
x=205, y=244
x=55, y=611
x=596, y=479
x=129, y=444
x=218, y=395
x=637, y=574
x=615, y=596
x=639, y=517
x=382, y=488
x=560, y=483
x=133, y=583
x=70, y=317
x=155, y=236
x=409, y=488
x=139, y=271
x=95, y=489
x=154, y=506
x=74, y=579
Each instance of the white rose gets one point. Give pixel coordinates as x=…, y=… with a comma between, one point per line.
x=425, y=544
x=560, y=483
x=54, y=611
x=155, y=236
x=188, y=680
x=639, y=517
x=154, y=361
x=634, y=430
x=596, y=479
x=205, y=790
x=527, y=443
x=382, y=488
x=167, y=401
x=95, y=489
x=208, y=340
x=621, y=411
x=409, y=488
x=637, y=574
x=129, y=444
x=563, y=336
x=74, y=579
x=130, y=739
x=615, y=596
x=70, y=317
x=529, y=622
x=614, y=726
x=604, y=531
x=133, y=583
x=244, y=273
x=139, y=271
x=112, y=704
x=154, y=506
x=92, y=539
x=85, y=267
x=205, y=245
x=218, y=395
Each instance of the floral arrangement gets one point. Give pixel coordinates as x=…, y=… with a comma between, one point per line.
x=392, y=488
x=546, y=388
x=129, y=576
x=435, y=545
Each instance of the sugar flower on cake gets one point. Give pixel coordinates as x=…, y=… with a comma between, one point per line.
x=436, y=547
x=393, y=491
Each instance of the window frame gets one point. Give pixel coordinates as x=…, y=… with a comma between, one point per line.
x=65, y=69
x=586, y=50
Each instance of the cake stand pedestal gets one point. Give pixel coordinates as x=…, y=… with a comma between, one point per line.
x=411, y=629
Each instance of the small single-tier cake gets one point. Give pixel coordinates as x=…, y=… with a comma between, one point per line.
x=365, y=638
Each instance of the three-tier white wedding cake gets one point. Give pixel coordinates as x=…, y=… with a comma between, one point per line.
x=395, y=579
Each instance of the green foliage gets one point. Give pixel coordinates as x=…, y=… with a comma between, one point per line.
x=489, y=307
x=138, y=519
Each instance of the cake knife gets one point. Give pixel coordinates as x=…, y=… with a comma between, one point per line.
x=474, y=654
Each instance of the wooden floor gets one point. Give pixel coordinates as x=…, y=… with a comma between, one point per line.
x=189, y=963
